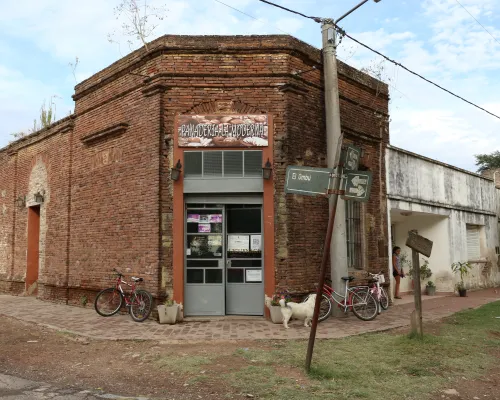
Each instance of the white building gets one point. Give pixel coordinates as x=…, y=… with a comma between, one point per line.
x=456, y=209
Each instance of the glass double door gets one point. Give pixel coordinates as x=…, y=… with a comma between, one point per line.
x=224, y=271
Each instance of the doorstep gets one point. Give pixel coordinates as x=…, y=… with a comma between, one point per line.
x=215, y=318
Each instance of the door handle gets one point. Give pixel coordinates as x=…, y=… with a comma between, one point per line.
x=228, y=263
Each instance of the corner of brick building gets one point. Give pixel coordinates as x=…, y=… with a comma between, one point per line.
x=111, y=196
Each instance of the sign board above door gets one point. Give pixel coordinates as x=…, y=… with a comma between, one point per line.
x=216, y=130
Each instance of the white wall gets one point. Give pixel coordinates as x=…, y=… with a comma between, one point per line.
x=434, y=228
x=442, y=200
x=418, y=179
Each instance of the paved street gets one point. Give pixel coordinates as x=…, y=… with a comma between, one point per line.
x=86, y=322
x=12, y=388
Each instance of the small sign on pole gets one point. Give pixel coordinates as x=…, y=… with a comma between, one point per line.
x=358, y=185
x=351, y=155
x=308, y=181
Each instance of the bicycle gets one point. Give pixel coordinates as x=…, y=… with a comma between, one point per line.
x=358, y=298
x=379, y=292
x=140, y=302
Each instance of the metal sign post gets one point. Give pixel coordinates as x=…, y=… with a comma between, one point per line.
x=322, y=273
x=417, y=244
x=310, y=181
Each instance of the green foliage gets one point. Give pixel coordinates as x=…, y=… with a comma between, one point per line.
x=84, y=300
x=47, y=118
x=462, y=268
x=487, y=161
x=430, y=284
x=425, y=270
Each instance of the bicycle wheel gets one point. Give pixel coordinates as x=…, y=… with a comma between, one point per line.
x=364, y=305
x=142, y=304
x=384, y=299
x=108, y=302
x=325, y=308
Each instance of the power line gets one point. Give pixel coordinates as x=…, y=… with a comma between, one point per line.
x=482, y=26
x=316, y=19
x=251, y=16
x=343, y=33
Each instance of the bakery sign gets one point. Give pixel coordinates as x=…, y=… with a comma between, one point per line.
x=223, y=130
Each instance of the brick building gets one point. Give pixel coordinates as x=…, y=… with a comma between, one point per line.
x=96, y=190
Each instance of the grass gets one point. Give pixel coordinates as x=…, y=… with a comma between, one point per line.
x=371, y=366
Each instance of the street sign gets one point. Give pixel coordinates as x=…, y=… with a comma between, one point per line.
x=357, y=185
x=419, y=244
x=308, y=181
x=352, y=154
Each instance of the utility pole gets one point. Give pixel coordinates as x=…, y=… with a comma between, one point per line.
x=338, y=245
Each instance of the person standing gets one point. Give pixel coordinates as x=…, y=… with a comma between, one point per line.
x=397, y=269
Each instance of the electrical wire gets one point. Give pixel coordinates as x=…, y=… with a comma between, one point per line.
x=316, y=19
x=251, y=16
x=343, y=33
x=482, y=26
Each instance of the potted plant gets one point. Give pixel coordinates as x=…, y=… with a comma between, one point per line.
x=275, y=308
x=430, y=288
x=425, y=271
x=168, y=313
x=462, y=268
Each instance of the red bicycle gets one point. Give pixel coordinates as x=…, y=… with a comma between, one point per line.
x=109, y=301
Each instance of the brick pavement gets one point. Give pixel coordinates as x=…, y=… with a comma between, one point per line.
x=86, y=322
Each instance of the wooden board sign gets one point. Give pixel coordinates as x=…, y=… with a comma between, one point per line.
x=419, y=244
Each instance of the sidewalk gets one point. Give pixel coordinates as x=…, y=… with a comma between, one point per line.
x=86, y=322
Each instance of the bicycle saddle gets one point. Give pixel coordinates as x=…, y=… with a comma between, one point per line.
x=348, y=278
x=137, y=279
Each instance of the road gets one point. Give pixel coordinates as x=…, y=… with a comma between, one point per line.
x=13, y=388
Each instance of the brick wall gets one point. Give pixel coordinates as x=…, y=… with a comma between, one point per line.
x=107, y=167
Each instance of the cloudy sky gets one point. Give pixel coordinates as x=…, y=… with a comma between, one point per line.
x=437, y=38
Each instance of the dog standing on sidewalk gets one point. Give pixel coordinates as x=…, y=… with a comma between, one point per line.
x=302, y=311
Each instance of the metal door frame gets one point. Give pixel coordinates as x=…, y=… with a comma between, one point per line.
x=250, y=206
x=222, y=208
x=220, y=203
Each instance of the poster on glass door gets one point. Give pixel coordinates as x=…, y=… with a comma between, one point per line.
x=238, y=243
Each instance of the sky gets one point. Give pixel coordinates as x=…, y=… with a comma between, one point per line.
x=39, y=40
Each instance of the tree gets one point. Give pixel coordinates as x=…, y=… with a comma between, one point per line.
x=488, y=161
x=138, y=25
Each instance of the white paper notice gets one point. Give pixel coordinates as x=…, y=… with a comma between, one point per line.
x=254, y=275
x=188, y=252
x=238, y=242
x=255, y=242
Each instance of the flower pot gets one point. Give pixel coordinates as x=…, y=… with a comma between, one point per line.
x=276, y=315
x=462, y=292
x=430, y=290
x=180, y=313
x=168, y=314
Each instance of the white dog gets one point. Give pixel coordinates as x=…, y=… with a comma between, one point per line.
x=300, y=311
x=267, y=301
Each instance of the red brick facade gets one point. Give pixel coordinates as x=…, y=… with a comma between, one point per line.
x=106, y=169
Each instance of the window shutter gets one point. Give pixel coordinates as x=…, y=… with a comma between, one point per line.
x=473, y=249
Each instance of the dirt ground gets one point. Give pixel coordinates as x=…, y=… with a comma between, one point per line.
x=124, y=367
x=152, y=369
